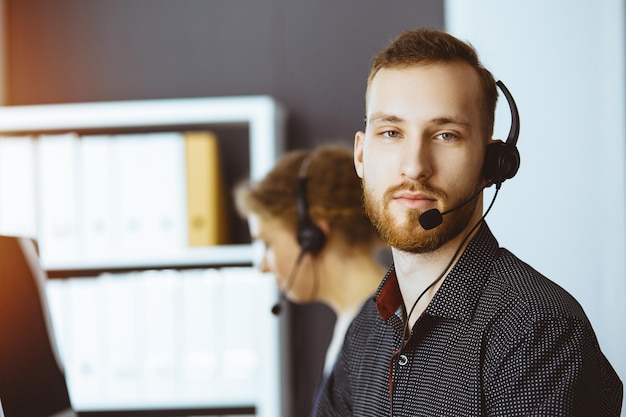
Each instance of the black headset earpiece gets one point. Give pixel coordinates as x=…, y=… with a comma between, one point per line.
x=310, y=236
x=502, y=159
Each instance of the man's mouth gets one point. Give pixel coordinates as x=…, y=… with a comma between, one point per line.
x=415, y=199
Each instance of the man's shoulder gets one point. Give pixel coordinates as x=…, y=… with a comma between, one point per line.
x=521, y=288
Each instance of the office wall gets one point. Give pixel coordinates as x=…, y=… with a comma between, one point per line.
x=313, y=56
x=565, y=211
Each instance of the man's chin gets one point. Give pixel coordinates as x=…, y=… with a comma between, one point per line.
x=416, y=246
x=417, y=241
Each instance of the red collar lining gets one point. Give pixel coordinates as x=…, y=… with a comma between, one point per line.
x=389, y=297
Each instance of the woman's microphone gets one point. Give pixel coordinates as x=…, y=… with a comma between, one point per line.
x=278, y=307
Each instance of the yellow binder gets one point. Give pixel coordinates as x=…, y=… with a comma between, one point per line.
x=206, y=200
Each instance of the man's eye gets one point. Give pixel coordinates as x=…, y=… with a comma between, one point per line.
x=446, y=136
x=392, y=134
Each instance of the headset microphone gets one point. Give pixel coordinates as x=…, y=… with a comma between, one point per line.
x=278, y=307
x=433, y=217
x=502, y=161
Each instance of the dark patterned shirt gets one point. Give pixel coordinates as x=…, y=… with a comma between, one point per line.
x=497, y=339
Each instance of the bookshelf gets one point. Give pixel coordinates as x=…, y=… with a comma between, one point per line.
x=265, y=120
x=264, y=117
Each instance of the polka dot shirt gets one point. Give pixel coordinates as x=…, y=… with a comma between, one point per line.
x=497, y=339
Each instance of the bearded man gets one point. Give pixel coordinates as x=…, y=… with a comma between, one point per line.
x=458, y=326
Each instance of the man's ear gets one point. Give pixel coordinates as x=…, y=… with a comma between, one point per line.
x=359, y=139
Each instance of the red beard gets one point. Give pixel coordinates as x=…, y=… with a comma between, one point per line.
x=409, y=236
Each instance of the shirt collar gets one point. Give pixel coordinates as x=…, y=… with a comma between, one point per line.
x=388, y=297
x=458, y=295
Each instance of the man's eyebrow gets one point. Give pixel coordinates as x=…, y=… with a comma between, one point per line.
x=390, y=118
x=385, y=117
x=450, y=120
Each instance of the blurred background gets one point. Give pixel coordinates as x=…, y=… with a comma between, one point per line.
x=565, y=211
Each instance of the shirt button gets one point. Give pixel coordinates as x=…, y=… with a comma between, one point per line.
x=403, y=360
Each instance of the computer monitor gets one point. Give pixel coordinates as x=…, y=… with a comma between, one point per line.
x=32, y=381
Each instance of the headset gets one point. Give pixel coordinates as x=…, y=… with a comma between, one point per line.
x=501, y=163
x=502, y=159
x=309, y=235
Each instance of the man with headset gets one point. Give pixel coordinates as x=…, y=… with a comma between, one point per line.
x=458, y=326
